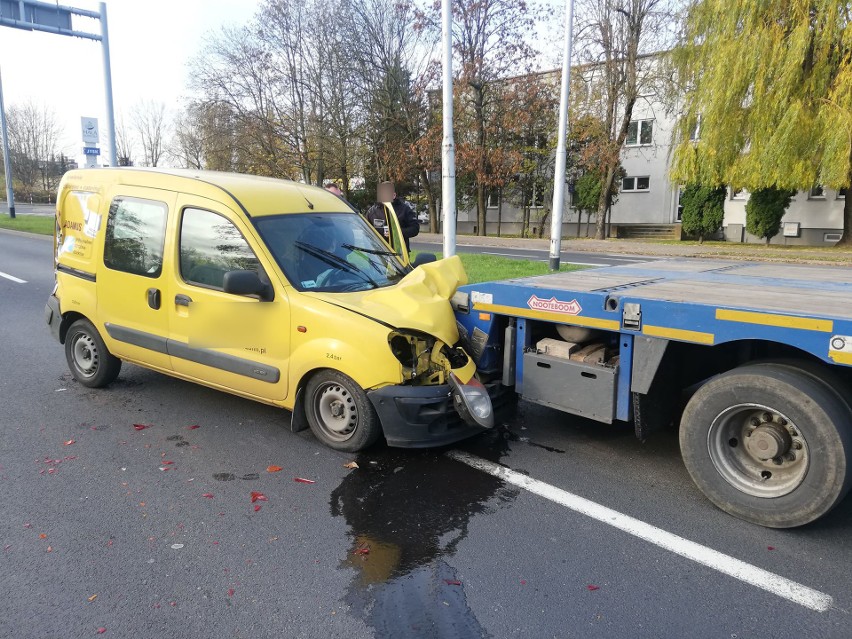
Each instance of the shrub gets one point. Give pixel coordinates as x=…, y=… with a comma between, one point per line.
x=703, y=210
x=764, y=211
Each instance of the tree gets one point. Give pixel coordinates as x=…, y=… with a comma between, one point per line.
x=123, y=143
x=33, y=140
x=703, y=210
x=149, y=122
x=764, y=210
x=491, y=43
x=781, y=115
x=615, y=34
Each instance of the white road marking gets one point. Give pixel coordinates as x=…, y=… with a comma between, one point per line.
x=12, y=277
x=777, y=585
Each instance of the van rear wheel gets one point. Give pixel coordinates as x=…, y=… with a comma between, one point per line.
x=339, y=412
x=90, y=361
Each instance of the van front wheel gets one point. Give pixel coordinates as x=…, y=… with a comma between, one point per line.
x=90, y=361
x=339, y=412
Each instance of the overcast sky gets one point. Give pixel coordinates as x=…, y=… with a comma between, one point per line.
x=151, y=42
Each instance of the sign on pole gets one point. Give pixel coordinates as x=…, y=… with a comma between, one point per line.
x=91, y=135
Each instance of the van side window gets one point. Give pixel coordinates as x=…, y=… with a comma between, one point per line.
x=136, y=231
x=210, y=246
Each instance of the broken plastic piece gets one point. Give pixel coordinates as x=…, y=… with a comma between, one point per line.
x=592, y=587
x=141, y=426
x=258, y=496
x=273, y=469
x=302, y=480
x=351, y=464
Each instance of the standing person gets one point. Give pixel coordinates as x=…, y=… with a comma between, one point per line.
x=407, y=219
x=331, y=187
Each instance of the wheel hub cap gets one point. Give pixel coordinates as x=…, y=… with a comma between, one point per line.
x=768, y=441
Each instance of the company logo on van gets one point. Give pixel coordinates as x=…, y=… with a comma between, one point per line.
x=554, y=305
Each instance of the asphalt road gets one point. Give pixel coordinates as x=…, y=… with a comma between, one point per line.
x=152, y=532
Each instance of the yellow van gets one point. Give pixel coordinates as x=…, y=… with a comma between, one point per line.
x=268, y=289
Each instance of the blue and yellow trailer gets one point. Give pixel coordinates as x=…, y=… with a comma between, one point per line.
x=753, y=360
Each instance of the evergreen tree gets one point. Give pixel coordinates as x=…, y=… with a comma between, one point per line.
x=703, y=210
x=764, y=211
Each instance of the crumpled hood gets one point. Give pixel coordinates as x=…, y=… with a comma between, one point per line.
x=420, y=300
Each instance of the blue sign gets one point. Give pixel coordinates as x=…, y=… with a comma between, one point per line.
x=91, y=150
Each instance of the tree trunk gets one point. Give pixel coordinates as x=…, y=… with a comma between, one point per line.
x=846, y=238
x=430, y=202
x=499, y=210
x=603, y=203
x=480, y=209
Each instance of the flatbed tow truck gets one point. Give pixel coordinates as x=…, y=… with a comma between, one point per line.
x=754, y=360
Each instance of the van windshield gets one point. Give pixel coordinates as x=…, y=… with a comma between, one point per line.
x=330, y=252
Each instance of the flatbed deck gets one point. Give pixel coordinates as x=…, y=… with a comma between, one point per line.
x=702, y=301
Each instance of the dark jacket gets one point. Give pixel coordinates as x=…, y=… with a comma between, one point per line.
x=407, y=219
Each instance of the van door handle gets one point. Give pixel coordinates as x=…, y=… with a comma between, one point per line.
x=154, y=298
x=182, y=300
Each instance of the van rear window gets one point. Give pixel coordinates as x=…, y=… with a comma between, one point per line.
x=135, y=234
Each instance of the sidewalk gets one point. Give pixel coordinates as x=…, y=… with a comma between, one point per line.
x=725, y=250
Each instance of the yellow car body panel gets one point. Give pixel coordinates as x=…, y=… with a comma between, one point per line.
x=166, y=318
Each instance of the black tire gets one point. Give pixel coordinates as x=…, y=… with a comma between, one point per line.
x=339, y=412
x=90, y=361
x=737, y=418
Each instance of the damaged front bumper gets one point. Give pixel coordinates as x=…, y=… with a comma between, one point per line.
x=426, y=416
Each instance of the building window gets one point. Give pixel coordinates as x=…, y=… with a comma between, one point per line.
x=679, y=204
x=492, y=201
x=640, y=133
x=537, y=199
x=817, y=192
x=841, y=194
x=695, y=132
x=135, y=234
x=742, y=194
x=636, y=184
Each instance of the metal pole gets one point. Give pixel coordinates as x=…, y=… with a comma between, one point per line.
x=561, y=154
x=10, y=194
x=108, y=85
x=448, y=156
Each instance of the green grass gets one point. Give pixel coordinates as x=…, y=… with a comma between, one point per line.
x=484, y=268
x=41, y=224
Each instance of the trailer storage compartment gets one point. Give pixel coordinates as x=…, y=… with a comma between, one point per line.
x=582, y=389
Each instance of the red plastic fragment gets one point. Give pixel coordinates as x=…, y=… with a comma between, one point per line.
x=208, y=495
x=230, y=592
x=592, y=588
x=101, y=630
x=166, y=463
x=363, y=550
x=256, y=507
x=452, y=582
x=6, y=547
x=257, y=496
x=69, y=442
x=193, y=427
x=302, y=480
x=523, y=582
x=770, y=548
x=273, y=469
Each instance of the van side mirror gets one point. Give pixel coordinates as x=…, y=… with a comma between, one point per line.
x=423, y=258
x=247, y=283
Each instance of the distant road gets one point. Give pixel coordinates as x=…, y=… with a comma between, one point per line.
x=584, y=258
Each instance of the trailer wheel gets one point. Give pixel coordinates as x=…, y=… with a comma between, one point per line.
x=90, y=361
x=769, y=444
x=339, y=412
